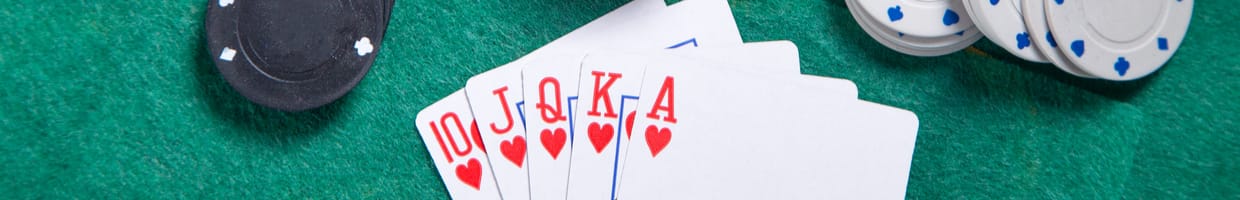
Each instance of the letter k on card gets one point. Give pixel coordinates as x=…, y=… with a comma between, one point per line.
x=608, y=87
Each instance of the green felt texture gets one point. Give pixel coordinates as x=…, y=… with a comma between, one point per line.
x=119, y=99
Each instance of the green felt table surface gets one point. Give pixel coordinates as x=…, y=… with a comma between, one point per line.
x=119, y=99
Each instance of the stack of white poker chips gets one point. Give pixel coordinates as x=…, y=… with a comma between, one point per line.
x=921, y=28
x=1106, y=39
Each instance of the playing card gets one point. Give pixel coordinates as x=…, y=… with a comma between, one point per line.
x=494, y=99
x=704, y=133
x=451, y=136
x=776, y=66
x=551, y=98
x=604, y=91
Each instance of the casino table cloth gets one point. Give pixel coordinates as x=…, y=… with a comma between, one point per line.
x=119, y=99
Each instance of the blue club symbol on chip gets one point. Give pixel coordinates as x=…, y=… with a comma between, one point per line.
x=950, y=17
x=1078, y=47
x=894, y=13
x=1121, y=66
x=1022, y=40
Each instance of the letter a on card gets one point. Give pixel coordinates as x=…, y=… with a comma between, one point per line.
x=658, y=137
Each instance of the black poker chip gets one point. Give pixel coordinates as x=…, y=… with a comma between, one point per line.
x=295, y=55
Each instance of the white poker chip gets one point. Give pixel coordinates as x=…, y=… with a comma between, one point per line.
x=921, y=18
x=1035, y=21
x=1002, y=23
x=913, y=45
x=1119, y=39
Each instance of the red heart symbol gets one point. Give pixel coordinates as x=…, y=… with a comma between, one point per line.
x=470, y=173
x=553, y=141
x=600, y=135
x=628, y=125
x=657, y=138
x=514, y=150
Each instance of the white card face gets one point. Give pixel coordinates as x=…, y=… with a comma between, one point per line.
x=608, y=86
x=447, y=128
x=716, y=134
x=551, y=93
x=495, y=99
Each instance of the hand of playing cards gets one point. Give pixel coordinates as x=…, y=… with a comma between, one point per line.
x=665, y=102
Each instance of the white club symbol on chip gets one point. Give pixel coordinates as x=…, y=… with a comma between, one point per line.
x=363, y=46
x=225, y=3
x=227, y=54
